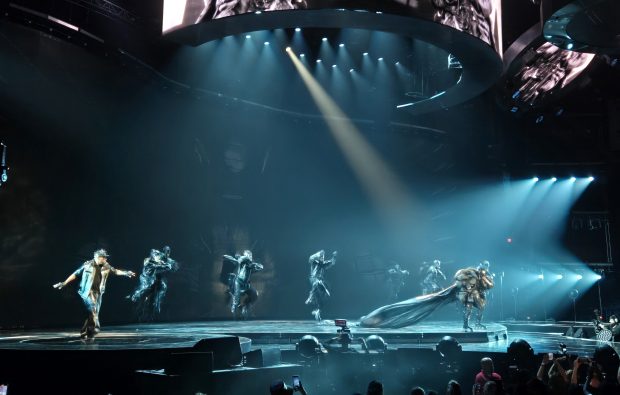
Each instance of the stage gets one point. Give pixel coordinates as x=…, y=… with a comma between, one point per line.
x=157, y=355
x=543, y=337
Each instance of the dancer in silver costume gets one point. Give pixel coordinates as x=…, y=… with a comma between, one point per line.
x=318, y=290
x=153, y=282
x=243, y=294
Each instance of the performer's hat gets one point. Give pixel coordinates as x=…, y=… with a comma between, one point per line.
x=101, y=252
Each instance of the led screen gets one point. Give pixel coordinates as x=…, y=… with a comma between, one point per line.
x=550, y=70
x=480, y=18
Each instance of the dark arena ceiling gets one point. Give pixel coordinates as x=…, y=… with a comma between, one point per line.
x=396, y=58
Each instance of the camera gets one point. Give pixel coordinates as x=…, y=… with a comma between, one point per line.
x=341, y=323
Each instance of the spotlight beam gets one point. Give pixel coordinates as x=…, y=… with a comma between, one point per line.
x=378, y=180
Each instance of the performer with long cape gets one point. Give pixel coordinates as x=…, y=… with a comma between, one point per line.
x=469, y=284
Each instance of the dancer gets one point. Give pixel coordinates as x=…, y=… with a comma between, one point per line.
x=153, y=282
x=243, y=294
x=432, y=276
x=467, y=286
x=396, y=280
x=474, y=283
x=318, y=290
x=94, y=275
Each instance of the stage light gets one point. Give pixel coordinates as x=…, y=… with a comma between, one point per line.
x=597, y=277
x=258, y=12
x=516, y=94
x=553, y=179
x=318, y=60
x=288, y=49
x=541, y=277
x=247, y=36
x=579, y=277
x=572, y=179
x=365, y=54
x=559, y=277
x=449, y=348
x=380, y=59
x=324, y=39
x=376, y=343
x=302, y=55
x=514, y=109
x=341, y=45
x=308, y=346
x=351, y=70
x=333, y=66
x=509, y=240
x=266, y=42
x=396, y=64
x=569, y=46
x=297, y=29
x=535, y=179
x=590, y=178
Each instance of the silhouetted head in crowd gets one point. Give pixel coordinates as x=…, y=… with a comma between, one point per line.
x=486, y=364
x=375, y=388
x=536, y=387
x=278, y=387
x=454, y=388
x=417, y=391
x=490, y=388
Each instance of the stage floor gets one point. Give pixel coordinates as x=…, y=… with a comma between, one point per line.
x=284, y=335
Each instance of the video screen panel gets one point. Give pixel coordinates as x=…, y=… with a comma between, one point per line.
x=551, y=70
x=480, y=18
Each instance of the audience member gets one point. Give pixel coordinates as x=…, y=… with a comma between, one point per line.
x=417, y=391
x=375, y=388
x=454, y=388
x=490, y=388
x=487, y=373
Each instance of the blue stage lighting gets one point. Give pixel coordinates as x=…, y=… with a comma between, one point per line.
x=380, y=59
x=559, y=277
x=318, y=60
x=266, y=42
x=365, y=53
x=514, y=109
x=572, y=179
x=341, y=45
x=553, y=179
x=333, y=66
x=569, y=46
x=535, y=179
x=541, y=277
x=247, y=36
x=579, y=277
x=598, y=277
x=516, y=94
x=351, y=70
x=397, y=63
x=324, y=39
x=590, y=178
x=302, y=55
x=297, y=29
